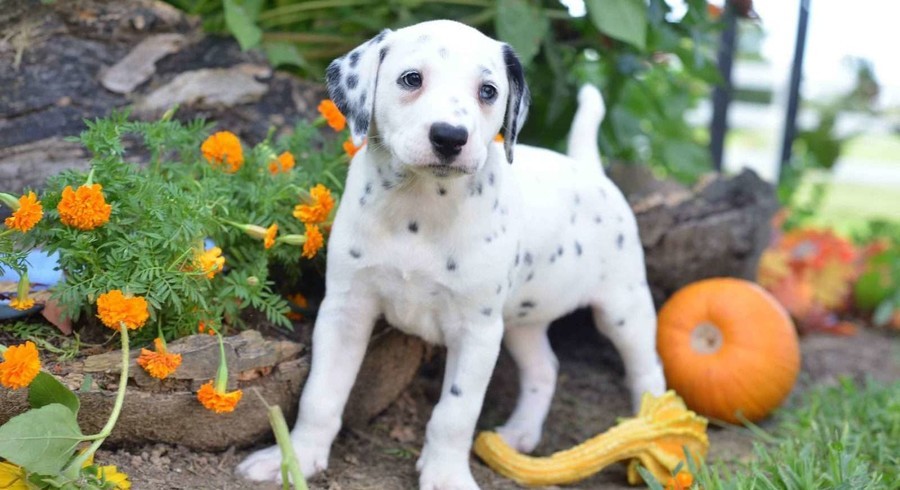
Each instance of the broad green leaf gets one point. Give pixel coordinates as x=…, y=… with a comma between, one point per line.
x=280, y=54
x=521, y=25
x=41, y=440
x=46, y=389
x=625, y=20
x=240, y=21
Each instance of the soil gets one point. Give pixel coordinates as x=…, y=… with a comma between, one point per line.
x=590, y=397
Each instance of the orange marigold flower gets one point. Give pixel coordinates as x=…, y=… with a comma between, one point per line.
x=350, y=149
x=498, y=138
x=159, y=364
x=299, y=301
x=224, y=148
x=319, y=207
x=20, y=365
x=27, y=215
x=682, y=481
x=332, y=115
x=269, y=239
x=282, y=164
x=314, y=241
x=218, y=401
x=114, y=307
x=21, y=304
x=85, y=208
x=202, y=328
x=211, y=262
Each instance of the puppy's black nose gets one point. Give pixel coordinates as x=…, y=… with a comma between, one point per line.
x=447, y=140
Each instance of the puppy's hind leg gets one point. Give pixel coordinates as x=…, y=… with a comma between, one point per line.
x=529, y=347
x=340, y=338
x=625, y=314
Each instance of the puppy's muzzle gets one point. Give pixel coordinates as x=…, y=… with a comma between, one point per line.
x=447, y=140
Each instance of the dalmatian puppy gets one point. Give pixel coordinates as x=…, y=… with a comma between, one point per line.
x=444, y=235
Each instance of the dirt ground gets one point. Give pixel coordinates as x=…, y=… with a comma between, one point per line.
x=589, y=398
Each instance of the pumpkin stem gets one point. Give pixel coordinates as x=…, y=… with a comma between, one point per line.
x=706, y=338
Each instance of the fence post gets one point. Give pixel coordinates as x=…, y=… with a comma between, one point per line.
x=722, y=92
x=790, y=118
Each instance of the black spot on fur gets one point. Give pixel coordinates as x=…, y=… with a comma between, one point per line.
x=382, y=53
x=362, y=99
x=532, y=390
x=499, y=288
x=355, y=253
x=354, y=59
x=413, y=227
x=522, y=314
x=491, y=179
x=572, y=219
x=386, y=184
x=517, y=260
x=530, y=276
x=552, y=259
x=352, y=81
x=577, y=248
x=451, y=264
x=487, y=311
x=577, y=199
x=488, y=239
x=503, y=229
x=362, y=201
x=620, y=240
x=455, y=391
x=443, y=53
x=598, y=219
x=528, y=258
x=559, y=250
x=361, y=122
x=620, y=323
x=602, y=193
x=496, y=204
x=527, y=304
x=380, y=37
x=442, y=191
x=368, y=189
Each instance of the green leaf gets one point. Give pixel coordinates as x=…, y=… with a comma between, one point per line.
x=521, y=25
x=41, y=440
x=625, y=20
x=241, y=23
x=280, y=54
x=46, y=389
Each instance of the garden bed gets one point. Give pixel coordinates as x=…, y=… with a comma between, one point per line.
x=590, y=397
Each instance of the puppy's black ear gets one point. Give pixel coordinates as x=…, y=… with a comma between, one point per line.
x=517, y=102
x=351, y=81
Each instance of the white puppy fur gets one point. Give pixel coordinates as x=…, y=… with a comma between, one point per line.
x=439, y=234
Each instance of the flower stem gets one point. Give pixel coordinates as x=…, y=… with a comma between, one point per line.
x=221, y=384
x=75, y=466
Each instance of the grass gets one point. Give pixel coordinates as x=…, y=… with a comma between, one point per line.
x=840, y=437
x=873, y=149
x=847, y=206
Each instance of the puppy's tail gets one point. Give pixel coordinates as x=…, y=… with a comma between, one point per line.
x=585, y=126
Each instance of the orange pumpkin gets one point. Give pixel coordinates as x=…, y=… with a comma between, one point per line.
x=728, y=348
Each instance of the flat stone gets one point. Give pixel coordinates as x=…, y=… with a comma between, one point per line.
x=140, y=63
x=210, y=87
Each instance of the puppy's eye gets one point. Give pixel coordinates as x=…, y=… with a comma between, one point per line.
x=410, y=80
x=487, y=93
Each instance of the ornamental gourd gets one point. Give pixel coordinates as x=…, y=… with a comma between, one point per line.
x=728, y=348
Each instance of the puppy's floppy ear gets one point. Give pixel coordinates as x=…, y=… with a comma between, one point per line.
x=517, y=103
x=351, y=81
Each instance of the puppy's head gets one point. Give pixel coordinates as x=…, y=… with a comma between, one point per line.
x=433, y=95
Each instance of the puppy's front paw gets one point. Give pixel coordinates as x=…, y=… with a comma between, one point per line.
x=265, y=464
x=524, y=439
x=444, y=471
x=653, y=381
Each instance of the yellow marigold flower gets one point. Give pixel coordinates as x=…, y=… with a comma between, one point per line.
x=269, y=239
x=350, y=149
x=318, y=208
x=224, y=148
x=332, y=115
x=218, y=401
x=85, y=208
x=283, y=164
x=20, y=365
x=12, y=477
x=114, y=307
x=159, y=364
x=111, y=474
x=28, y=212
x=211, y=262
x=21, y=304
x=314, y=241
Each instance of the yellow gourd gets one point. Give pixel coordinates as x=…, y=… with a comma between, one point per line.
x=655, y=438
